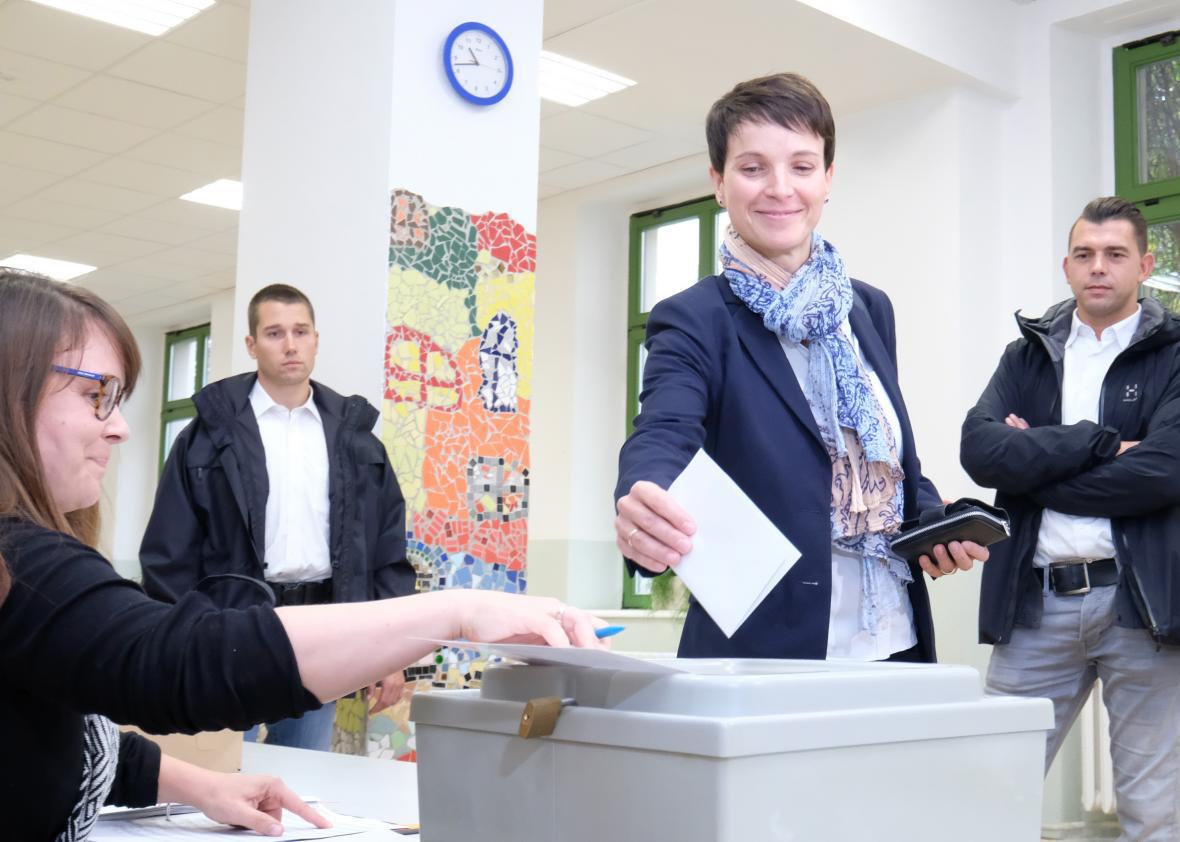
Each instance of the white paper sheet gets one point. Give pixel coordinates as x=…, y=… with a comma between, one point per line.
x=572, y=656
x=738, y=555
x=197, y=826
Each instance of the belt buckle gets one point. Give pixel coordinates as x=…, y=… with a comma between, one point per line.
x=1084, y=589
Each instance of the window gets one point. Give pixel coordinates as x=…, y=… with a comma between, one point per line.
x=670, y=249
x=1147, y=150
x=186, y=371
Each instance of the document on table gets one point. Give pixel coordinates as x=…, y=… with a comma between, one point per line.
x=738, y=555
x=572, y=656
x=197, y=826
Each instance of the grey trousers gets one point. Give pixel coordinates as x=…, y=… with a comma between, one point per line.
x=1077, y=643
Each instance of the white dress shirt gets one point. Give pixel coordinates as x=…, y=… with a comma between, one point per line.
x=1087, y=359
x=846, y=639
x=297, y=504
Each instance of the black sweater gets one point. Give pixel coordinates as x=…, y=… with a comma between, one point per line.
x=77, y=638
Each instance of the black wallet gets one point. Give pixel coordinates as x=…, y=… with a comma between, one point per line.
x=963, y=520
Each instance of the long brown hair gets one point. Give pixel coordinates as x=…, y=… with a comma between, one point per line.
x=39, y=320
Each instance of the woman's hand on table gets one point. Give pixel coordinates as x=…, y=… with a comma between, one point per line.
x=651, y=528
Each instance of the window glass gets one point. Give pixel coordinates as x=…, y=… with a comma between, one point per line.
x=1158, y=92
x=182, y=369
x=1163, y=239
x=670, y=260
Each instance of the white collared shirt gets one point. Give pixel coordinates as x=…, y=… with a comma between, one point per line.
x=846, y=640
x=297, y=504
x=1087, y=359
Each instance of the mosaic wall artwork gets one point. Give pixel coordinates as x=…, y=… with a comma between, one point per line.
x=455, y=421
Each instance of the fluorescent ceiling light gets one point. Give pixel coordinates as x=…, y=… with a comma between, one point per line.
x=574, y=83
x=223, y=193
x=59, y=270
x=151, y=17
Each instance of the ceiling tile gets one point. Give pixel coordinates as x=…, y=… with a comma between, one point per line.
x=36, y=78
x=206, y=261
x=544, y=191
x=40, y=154
x=146, y=228
x=584, y=134
x=39, y=209
x=193, y=214
x=111, y=245
x=138, y=304
x=223, y=30
x=580, y=174
x=550, y=108
x=89, y=194
x=64, y=37
x=132, y=102
x=221, y=125
x=157, y=266
x=118, y=284
x=13, y=106
x=190, y=153
x=223, y=242
x=144, y=177
x=25, y=234
x=653, y=152
x=88, y=130
x=551, y=159
x=562, y=17
x=18, y=182
x=176, y=68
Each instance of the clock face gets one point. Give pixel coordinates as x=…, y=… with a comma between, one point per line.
x=478, y=63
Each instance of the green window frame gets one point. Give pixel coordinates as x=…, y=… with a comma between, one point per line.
x=182, y=408
x=706, y=211
x=1155, y=60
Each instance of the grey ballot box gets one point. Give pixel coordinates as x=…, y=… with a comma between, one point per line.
x=733, y=751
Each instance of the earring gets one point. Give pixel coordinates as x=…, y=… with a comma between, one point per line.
x=827, y=199
x=721, y=202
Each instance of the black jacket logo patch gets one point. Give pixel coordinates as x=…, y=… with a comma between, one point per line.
x=1130, y=393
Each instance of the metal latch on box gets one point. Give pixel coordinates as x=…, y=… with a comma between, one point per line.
x=540, y=716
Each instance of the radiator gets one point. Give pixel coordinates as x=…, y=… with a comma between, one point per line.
x=1097, y=771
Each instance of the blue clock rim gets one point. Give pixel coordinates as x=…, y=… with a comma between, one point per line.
x=468, y=26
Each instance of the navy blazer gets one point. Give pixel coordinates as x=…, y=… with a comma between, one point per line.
x=717, y=378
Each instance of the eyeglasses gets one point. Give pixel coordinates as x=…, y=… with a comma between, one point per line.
x=110, y=390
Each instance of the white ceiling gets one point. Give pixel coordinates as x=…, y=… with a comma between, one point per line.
x=102, y=128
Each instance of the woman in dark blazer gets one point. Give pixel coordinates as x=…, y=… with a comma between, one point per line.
x=784, y=370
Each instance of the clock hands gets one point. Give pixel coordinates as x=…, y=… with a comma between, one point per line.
x=473, y=63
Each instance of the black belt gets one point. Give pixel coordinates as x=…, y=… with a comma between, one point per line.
x=1073, y=578
x=302, y=593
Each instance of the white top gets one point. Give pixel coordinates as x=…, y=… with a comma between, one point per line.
x=297, y=504
x=1087, y=359
x=845, y=637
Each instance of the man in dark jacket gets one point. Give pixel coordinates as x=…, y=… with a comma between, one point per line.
x=1079, y=433
x=280, y=479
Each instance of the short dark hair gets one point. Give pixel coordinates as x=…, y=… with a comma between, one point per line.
x=276, y=292
x=1106, y=208
x=785, y=99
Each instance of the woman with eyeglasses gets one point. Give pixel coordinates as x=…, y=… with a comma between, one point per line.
x=82, y=648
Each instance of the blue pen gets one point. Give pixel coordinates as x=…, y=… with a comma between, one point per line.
x=608, y=631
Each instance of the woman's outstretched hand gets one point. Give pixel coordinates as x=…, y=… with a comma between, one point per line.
x=651, y=528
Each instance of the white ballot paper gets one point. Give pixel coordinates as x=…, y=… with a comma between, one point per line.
x=573, y=656
x=738, y=555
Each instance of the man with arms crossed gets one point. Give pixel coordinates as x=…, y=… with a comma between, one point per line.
x=1079, y=433
x=279, y=478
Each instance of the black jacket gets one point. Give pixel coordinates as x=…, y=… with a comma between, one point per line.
x=210, y=510
x=1074, y=469
x=77, y=638
x=716, y=378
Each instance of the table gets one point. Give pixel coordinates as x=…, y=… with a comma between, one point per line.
x=356, y=786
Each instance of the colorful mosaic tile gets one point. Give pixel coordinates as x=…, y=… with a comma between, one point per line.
x=507, y=241
x=458, y=383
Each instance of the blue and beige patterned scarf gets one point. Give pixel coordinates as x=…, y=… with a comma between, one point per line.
x=812, y=306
